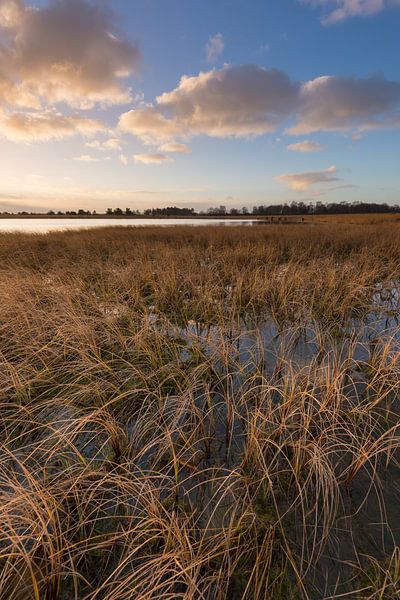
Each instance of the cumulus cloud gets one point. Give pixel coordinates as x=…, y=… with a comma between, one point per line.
x=215, y=48
x=175, y=147
x=241, y=101
x=151, y=159
x=305, y=146
x=248, y=101
x=44, y=126
x=335, y=103
x=233, y=101
x=67, y=51
x=340, y=10
x=149, y=124
x=302, y=182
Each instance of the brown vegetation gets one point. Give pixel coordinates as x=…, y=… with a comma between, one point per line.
x=200, y=413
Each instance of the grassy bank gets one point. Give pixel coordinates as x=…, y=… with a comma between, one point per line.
x=194, y=413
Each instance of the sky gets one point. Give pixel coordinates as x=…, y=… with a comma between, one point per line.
x=144, y=103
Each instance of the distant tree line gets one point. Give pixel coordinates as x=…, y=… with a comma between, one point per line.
x=169, y=212
x=294, y=208
x=320, y=208
x=301, y=208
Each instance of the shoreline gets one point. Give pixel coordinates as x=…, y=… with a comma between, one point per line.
x=141, y=217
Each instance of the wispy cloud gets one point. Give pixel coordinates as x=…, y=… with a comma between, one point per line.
x=175, y=147
x=264, y=48
x=305, y=146
x=44, y=126
x=302, y=182
x=340, y=10
x=114, y=144
x=152, y=159
x=88, y=158
x=215, y=48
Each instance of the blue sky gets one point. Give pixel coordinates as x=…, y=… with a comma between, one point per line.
x=283, y=100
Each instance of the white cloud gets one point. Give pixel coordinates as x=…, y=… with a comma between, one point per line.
x=151, y=159
x=215, y=48
x=340, y=10
x=175, y=147
x=305, y=146
x=302, y=182
x=67, y=51
x=123, y=159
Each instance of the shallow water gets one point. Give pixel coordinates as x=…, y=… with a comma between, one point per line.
x=48, y=225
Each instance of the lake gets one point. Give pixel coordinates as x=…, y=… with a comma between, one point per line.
x=48, y=225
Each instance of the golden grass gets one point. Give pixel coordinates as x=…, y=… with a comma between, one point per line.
x=200, y=413
x=355, y=219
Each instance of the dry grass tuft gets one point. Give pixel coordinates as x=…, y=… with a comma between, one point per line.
x=200, y=413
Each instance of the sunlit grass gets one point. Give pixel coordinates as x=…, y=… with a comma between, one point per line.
x=200, y=413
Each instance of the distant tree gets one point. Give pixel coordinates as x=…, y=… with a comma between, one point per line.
x=109, y=211
x=170, y=211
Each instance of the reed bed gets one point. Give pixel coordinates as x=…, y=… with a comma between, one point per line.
x=200, y=413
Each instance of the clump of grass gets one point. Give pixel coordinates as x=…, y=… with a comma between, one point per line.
x=200, y=413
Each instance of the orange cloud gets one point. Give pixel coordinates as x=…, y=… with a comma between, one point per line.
x=150, y=125
x=151, y=159
x=302, y=182
x=175, y=147
x=47, y=125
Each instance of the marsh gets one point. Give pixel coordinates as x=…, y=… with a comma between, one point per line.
x=200, y=412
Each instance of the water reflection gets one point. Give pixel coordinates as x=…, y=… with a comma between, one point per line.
x=47, y=225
